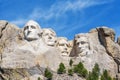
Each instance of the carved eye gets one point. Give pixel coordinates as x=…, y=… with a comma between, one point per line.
x=46, y=34
x=26, y=27
x=82, y=42
x=77, y=43
x=33, y=27
x=61, y=44
x=67, y=45
x=52, y=35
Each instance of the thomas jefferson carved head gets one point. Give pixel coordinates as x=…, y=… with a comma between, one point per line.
x=49, y=36
x=32, y=30
x=63, y=46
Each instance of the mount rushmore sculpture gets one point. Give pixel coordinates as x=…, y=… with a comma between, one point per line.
x=32, y=47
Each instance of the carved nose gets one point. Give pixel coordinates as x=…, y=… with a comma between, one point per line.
x=50, y=37
x=28, y=32
x=65, y=48
x=79, y=45
x=29, y=28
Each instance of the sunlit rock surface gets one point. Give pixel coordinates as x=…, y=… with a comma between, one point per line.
x=25, y=53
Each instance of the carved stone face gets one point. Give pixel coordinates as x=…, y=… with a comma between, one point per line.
x=49, y=36
x=32, y=30
x=82, y=45
x=63, y=46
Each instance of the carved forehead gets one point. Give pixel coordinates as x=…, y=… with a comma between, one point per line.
x=49, y=30
x=62, y=40
x=85, y=39
x=33, y=23
x=81, y=37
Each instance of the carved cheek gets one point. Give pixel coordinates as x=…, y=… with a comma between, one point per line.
x=86, y=46
x=25, y=32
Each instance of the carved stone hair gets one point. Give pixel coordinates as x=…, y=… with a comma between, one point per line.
x=60, y=38
x=44, y=29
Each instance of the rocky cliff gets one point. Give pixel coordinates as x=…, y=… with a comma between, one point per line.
x=26, y=52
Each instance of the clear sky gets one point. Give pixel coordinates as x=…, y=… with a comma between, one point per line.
x=65, y=17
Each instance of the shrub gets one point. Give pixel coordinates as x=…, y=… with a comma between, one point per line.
x=105, y=76
x=39, y=78
x=48, y=74
x=80, y=70
x=96, y=72
x=61, y=69
x=70, y=72
x=89, y=76
x=71, y=62
x=94, y=75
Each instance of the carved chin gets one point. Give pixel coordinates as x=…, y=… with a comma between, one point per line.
x=50, y=43
x=30, y=38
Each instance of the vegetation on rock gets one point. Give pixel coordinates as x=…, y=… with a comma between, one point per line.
x=71, y=62
x=106, y=76
x=94, y=75
x=61, y=69
x=48, y=74
x=80, y=70
x=70, y=72
x=39, y=78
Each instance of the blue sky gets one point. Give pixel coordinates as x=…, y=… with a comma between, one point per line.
x=65, y=17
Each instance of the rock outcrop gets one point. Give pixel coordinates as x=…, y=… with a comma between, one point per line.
x=118, y=40
x=24, y=53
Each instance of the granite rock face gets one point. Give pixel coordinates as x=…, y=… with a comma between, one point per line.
x=89, y=50
x=24, y=54
x=118, y=40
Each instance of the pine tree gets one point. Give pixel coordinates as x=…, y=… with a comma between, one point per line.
x=71, y=62
x=48, y=74
x=105, y=76
x=89, y=76
x=70, y=72
x=39, y=78
x=96, y=72
x=94, y=75
x=61, y=69
x=80, y=70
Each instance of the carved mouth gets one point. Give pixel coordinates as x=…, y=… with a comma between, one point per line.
x=65, y=52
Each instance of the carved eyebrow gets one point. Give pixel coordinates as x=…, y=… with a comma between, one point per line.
x=33, y=27
x=26, y=27
x=82, y=42
x=53, y=34
x=45, y=33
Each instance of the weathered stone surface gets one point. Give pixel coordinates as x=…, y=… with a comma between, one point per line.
x=118, y=40
x=8, y=33
x=94, y=53
x=106, y=37
x=26, y=59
